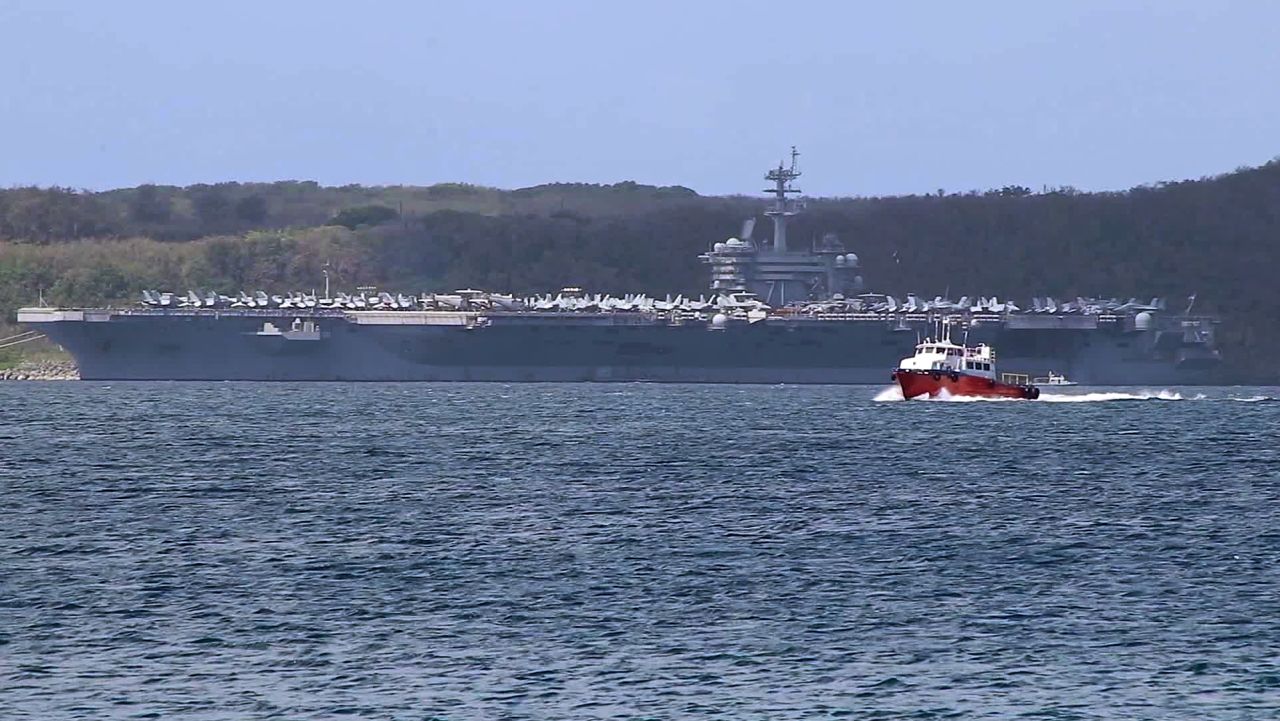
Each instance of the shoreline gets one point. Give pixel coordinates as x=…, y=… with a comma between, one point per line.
x=45, y=370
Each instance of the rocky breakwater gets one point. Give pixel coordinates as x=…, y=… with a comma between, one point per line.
x=41, y=371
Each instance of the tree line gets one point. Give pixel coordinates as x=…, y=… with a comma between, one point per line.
x=169, y=213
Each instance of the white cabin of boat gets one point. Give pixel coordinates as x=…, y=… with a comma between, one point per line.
x=947, y=357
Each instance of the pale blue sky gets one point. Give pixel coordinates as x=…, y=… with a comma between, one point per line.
x=881, y=97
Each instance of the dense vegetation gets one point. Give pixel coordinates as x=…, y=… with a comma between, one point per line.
x=1217, y=237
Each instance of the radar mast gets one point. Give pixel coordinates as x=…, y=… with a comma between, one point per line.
x=783, y=207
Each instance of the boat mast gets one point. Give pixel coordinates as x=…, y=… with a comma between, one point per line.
x=783, y=208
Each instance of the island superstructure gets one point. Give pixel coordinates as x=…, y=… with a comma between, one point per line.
x=774, y=272
x=774, y=313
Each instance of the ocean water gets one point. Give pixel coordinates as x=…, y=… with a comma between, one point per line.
x=484, y=551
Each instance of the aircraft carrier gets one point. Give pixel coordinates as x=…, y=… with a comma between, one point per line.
x=773, y=314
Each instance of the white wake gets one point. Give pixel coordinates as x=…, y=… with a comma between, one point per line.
x=1161, y=395
x=894, y=393
x=889, y=394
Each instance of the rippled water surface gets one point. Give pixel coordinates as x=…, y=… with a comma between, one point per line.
x=417, y=551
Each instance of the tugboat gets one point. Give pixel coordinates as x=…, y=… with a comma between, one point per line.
x=942, y=366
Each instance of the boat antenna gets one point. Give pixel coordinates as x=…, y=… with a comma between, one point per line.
x=325, y=270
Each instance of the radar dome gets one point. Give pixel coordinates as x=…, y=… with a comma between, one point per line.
x=1144, y=320
x=734, y=243
x=851, y=259
x=840, y=260
x=718, y=247
x=719, y=320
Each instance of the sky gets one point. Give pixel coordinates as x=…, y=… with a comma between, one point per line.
x=881, y=98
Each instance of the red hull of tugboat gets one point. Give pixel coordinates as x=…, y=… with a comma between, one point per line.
x=932, y=383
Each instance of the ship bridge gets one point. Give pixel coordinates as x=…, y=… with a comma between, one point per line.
x=771, y=269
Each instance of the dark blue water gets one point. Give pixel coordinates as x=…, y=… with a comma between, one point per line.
x=209, y=551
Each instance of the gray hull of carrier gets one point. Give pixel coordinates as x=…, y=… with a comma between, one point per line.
x=522, y=347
